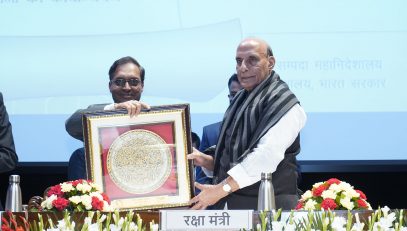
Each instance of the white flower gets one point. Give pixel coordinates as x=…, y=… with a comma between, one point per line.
x=61, y=224
x=154, y=227
x=133, y=226
x=96, y=194
x=385, y=210
x=113, y=227
x=316, y=185
x=310, y=204
x=88, y=221
x=84, y=188
x=75, y=199
x=347, y=203
x=357, y=227
x=93, y=227
x=382, y=226
x=345, y=186
x=277, y=225
x=386, y=222
x=66, y=187
x=328, y=194
x=338, y=223
x=48, y=202
x=306, y=195
x=66, y=227
x=336, y=188
x=351, y=193
x=107, y=207
x=87, y=201
x=96, y=187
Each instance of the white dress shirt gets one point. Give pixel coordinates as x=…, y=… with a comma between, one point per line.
x=270, y=150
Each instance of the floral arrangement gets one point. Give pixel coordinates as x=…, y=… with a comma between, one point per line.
x=380, y=220
x=78, y=195
x=333, y=194
x=94, y=221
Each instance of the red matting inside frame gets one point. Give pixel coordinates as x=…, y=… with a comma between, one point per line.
x=108, y=134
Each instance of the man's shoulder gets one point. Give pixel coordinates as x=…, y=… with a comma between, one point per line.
x=90, y=108
x=212, y=126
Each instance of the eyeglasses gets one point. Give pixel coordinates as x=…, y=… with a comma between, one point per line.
x=122, y=82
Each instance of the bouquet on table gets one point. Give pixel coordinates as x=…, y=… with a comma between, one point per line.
x=333, y=194
x=78, y=195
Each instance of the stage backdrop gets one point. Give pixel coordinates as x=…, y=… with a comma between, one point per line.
x=345, y=60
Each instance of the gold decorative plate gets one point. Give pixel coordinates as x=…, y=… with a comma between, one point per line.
x=139, y=161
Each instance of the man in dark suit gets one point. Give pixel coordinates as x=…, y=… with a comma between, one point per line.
x=126, y=85
x=210, y=132
x=8, y=156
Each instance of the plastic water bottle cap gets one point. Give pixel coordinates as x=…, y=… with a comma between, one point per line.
x=14, y=178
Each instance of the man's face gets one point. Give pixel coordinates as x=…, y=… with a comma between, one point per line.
x=233, y=89
x=252, y=63
x=126, y=83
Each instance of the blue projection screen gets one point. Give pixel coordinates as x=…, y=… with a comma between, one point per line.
x=345, y=60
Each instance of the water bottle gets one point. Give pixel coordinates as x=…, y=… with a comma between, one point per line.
x=13, y=198
x=266, y=200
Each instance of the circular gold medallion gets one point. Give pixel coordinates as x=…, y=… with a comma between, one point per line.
x=139, y=161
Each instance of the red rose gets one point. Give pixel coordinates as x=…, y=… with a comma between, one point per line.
x=328, y=203
x=76, y=182
x=57, y=190
x=300, y=205
x=362, y=195
x=318, y=191
x=4, y=220
x=333, y=181
x=97, y=204
x=106, y=198
x=60, y=203
x=4, y=227
x=362, y=203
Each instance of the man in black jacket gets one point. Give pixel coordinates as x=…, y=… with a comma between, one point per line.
x=8, y=156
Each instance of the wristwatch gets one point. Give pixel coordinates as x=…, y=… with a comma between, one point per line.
x=226, y=187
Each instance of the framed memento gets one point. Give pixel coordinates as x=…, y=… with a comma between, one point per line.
x=140, y=162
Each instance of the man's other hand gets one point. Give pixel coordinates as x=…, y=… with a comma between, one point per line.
x=201, y=159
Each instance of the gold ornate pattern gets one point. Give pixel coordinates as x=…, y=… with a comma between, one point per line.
x=139, y=161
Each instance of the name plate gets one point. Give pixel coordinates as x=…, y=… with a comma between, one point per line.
x=206, y=219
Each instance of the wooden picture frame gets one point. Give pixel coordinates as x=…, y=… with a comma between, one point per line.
x=140, y=162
